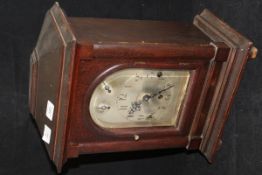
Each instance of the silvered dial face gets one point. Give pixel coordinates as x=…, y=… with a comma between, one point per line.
x=138, y=97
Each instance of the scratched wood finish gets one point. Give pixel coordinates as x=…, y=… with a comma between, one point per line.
x=89, y=49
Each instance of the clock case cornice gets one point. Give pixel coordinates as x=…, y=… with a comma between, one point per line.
x=241, y=50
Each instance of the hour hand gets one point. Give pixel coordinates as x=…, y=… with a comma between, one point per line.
x=135, y=106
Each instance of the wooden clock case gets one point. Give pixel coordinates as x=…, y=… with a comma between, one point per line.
x=73, y=55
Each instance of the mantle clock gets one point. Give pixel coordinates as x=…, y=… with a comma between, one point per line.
x=113, y=85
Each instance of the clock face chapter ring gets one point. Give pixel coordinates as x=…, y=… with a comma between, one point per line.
x=138, y=97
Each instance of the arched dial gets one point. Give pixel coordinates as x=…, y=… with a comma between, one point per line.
x=138, y=97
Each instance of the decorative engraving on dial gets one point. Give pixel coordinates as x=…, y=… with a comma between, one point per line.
x=139, y=97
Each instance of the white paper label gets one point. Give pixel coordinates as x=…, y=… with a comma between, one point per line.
x=47, y=134
x=49, y=110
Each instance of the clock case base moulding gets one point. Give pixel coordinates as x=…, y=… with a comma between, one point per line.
x=73, y=55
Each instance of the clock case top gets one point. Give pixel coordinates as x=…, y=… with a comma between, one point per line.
x=74, y=54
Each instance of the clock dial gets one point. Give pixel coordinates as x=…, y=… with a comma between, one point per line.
x=138, y=97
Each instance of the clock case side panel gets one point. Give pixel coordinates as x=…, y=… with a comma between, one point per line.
x=55, y=46
x=228, y=80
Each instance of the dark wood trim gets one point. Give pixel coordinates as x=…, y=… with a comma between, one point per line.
x=222, y=53
x=228, y=82
x=67, y=66
x=32, y=82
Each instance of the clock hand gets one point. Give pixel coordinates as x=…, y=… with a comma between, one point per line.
x=159, y=92
x=107, y=88
x=150, y=116
x=147, y=97
x=135, y=106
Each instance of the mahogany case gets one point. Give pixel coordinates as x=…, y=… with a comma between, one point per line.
x=74, y=54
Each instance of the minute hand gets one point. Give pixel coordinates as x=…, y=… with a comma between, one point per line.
x=163, y=90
